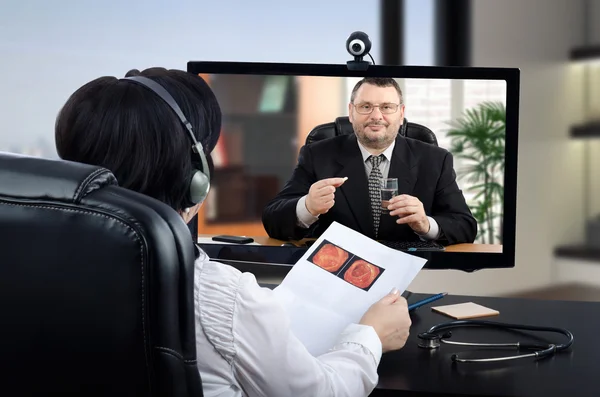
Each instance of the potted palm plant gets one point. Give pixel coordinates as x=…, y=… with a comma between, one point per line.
x=477, y=142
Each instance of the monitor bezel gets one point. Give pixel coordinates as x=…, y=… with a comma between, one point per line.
x=465, y=261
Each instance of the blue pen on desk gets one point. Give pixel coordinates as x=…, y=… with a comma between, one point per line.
x=426, y=301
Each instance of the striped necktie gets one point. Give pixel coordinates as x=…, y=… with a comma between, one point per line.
x=375, y=190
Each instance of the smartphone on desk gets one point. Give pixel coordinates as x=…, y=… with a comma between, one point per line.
x=233, y=239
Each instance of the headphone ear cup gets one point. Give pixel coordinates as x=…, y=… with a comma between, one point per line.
x=199, y=187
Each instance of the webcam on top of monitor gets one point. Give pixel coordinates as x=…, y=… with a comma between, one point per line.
x=358, y=45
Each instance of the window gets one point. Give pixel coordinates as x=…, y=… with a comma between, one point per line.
x=418, y=33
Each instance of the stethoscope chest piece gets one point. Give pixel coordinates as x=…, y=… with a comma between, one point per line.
x=431, y=340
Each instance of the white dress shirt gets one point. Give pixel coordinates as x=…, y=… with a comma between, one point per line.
x=305, y=219
x=245, y=346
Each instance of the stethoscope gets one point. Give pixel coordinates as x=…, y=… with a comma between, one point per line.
x=432, y=339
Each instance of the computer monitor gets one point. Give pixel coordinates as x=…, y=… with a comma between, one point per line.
x=271, y=110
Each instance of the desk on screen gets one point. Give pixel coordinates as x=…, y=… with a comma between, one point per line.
x=264, y=240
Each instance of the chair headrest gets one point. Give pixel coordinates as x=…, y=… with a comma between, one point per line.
x=343, y=126
x=419, y=132
x=45, y=179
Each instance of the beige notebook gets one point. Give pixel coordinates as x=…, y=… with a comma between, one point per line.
x=461, y=311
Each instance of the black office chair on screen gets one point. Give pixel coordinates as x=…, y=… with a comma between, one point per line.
x=96, y=285
x=342, y=126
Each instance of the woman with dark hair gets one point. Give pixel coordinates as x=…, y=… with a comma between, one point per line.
x=245, y=345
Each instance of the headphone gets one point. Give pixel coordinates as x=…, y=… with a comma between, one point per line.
x=199, y=181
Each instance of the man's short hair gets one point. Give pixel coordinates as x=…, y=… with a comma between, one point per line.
x=379, y=82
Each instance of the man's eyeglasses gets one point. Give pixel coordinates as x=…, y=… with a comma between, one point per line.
x=384, y=108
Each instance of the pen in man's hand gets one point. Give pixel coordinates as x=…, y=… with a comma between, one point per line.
x=426, y=301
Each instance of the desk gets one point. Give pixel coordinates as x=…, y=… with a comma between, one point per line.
x=414, y=371
x=480, y=248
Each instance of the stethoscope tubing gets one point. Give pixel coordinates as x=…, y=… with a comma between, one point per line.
x=430, y=336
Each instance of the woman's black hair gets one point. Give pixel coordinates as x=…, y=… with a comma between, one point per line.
x=131, y=131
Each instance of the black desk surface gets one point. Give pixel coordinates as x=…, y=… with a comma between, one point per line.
x=416, y=371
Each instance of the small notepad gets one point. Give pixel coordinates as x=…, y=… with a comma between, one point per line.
x=466, y=310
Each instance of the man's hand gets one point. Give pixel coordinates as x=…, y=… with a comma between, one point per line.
x=410, y=211
x=321, y=195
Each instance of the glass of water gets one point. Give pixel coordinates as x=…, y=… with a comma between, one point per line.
x=389, y=189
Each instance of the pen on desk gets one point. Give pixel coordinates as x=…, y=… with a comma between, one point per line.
x=426, y=301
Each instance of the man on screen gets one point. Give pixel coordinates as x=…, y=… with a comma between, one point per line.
x=429, y=204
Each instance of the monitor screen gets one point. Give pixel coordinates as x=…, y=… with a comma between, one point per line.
x=448, y=138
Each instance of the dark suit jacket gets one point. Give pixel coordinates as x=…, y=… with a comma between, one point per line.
x=423, y=170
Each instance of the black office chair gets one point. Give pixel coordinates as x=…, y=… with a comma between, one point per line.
x=342, y=126
x=96, y=285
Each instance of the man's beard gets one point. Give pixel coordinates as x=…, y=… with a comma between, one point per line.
x=379, y=142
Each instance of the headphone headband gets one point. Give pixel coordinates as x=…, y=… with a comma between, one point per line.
x=200, y=179
x=165, y=96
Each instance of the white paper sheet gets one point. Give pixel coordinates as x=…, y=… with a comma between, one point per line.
x=322, y=303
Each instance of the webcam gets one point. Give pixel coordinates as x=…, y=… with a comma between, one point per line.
x=358, y=45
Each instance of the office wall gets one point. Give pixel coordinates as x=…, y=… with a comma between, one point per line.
x=319, y=102
x=535, y=36
x=593, y=21
x=594, y=85
x=594, y=178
